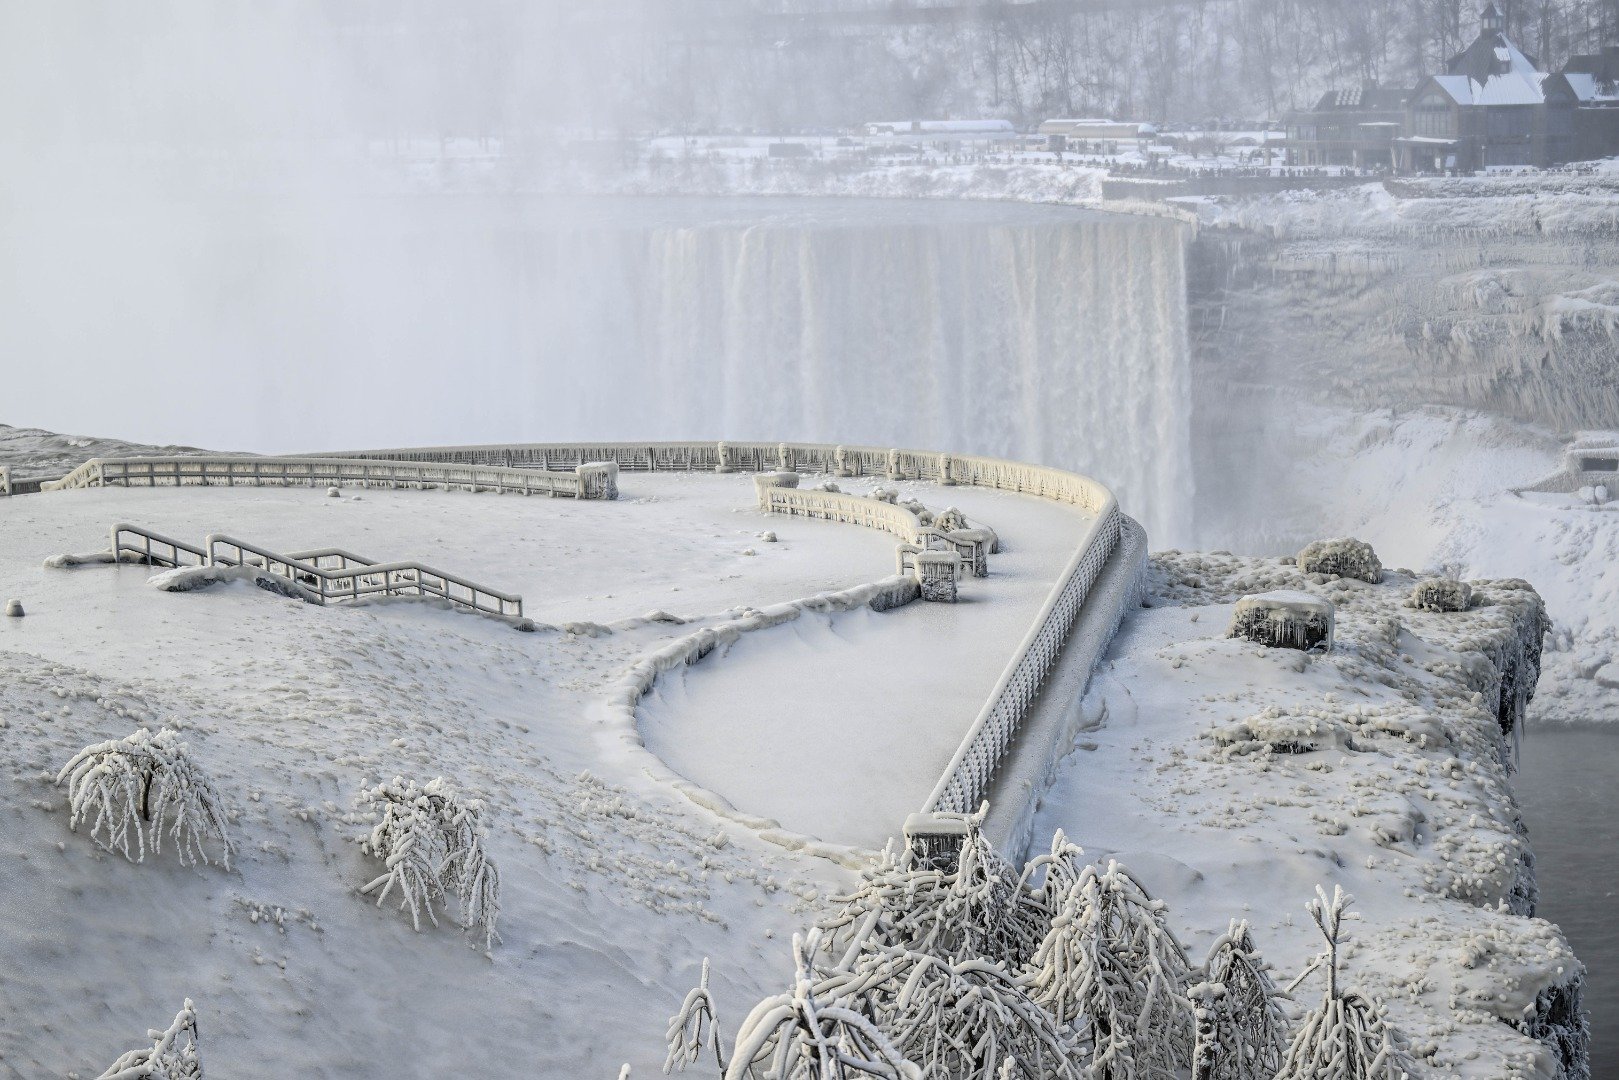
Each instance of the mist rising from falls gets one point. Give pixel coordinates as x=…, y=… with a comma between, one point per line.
x=1032, y=333
x=266, y=323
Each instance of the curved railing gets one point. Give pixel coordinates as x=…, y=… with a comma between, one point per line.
x=590, y=470
x=966, y=782
x=586, y=480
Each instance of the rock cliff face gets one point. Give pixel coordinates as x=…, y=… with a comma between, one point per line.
x=1480, y=297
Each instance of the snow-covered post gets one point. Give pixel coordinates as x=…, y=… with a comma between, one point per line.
x=173, y=1055
x=725, y=465
x=893, y=465
x=937, y=572
x=945, y=479
x=5, y=480
x=138, y=784
x=934, y=840
x=1286, y=619
x=784, y=457
x=598, y=480
x=764, y=482
x=840, y=462
x=1345, y=557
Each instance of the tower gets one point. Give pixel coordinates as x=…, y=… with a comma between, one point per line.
x=1493, y=22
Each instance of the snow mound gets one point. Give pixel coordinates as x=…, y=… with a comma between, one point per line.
x=1442, y=594
x=1344, y=556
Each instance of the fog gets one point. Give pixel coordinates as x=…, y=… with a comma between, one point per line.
x=210, y=230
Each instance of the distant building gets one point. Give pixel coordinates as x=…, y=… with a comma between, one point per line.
x=945, y=128
x=1594, y=78
x=1356, y=128
x=1493, y=107
x=1061, y=134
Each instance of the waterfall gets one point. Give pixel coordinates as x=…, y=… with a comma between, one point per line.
x=1042, y=334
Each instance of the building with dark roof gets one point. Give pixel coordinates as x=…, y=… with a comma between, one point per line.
x=1493, y=107
x=1347, y=127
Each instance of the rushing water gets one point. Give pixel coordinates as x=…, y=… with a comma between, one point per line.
x=1566, y=786
x=1042, y=333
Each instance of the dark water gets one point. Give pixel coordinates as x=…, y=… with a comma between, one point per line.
x=1568, y=786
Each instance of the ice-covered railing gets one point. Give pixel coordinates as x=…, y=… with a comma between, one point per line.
x=583, y=480
x=853, y=509
x=321, y=575
x=355, y=576
x=967, y=780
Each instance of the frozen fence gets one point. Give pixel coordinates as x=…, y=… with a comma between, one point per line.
x=590, y=470
x=354, y=576
x=584, y=480
x=966, y=782
x=320, y=575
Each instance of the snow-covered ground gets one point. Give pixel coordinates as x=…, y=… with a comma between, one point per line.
x=1432, y=488
x=840, y=727
x=1402, y=798
x=614, y=885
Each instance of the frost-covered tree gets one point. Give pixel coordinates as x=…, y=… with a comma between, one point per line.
x=133, y=789
x=431, y=842
x=889, y=1012
x=979, y=908
x=1345, y=1036
x=1111, y=963
x=173, y=1054
x=1241, y=1029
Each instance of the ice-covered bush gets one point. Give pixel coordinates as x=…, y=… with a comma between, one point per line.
x=173, y=1054
x=1442, y=594
x=1344, y=1036
x=1110, y=963
x=1344, y=556
x=1286, y=619
x=431, y=842
x=963, y=968
x=133, y=789
x=1241, y=1030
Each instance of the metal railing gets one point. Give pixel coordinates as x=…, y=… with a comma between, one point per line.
x=588, y=480
x=534, y=468
x=966, y=781
x=153, y=548
x=356, y=576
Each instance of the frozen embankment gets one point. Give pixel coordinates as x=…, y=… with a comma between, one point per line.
x=1234, y=778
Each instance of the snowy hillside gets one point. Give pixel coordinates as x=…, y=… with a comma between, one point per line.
x=614, y=885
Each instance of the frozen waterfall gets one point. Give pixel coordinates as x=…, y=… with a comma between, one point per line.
x=1043, y=333
x=1038, y=333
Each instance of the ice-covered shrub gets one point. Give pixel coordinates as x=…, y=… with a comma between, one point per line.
x=1111, y=963
x=1241, y=1029
x=975, y=906
x=1344, y=1036
x=963, y=968
x=431, y=842
x=1344, y=556
x=1286, y=619
x=133, y=789
x=173, y=1054
x=1442, y=594
x=1283, y=733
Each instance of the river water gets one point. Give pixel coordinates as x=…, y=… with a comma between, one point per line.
x=1567, y=787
